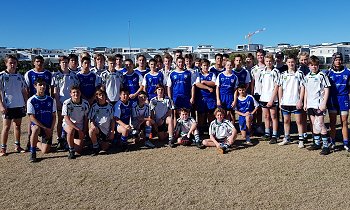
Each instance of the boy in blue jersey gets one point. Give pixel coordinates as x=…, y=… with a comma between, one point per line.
x=73, y=63
x=122, y=116
x=88, y=81
x=338, y=102
x=142, y=68
x=226, y=84
x=242, y=74
x=152, y=79
x=99, y=64
x=218, y=67
x=132, y=81
x=245, y=108
x=197, y=64
x=119, y=63
x=41, y=109
x=205, y=96
x=13, y=99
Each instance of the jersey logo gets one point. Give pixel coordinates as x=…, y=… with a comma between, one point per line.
x=345, y=77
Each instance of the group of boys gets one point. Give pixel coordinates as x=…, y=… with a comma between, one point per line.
x=105, y=103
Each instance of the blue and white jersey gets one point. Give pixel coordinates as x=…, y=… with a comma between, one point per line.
x=123, y=111
x=268, y=80
x=102, y=116
x=315, y=85
x=142, y=72
x=216, y=71
x=340, y=82
x=98, y=72
x=63, y=82
x=11, y=87
x=30, y=77
x=291, y=83
x=132, y=81
x=87, y=83
x=203, y=93
x=42, y=107
x=112, y=81
x=246, y=104
x=181, y=83
x=166, y=74
x=150, y=82
x=122, y=70
x=76, y=112
x=243, y=76
x=227, y=83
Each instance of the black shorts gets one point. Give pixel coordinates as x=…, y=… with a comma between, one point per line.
x=44, y=139
x=163, y=127
x=15, y=113
x=256, y=97
x=287, y=110
x=315, y=112
x=101, y=137
x=263, y=105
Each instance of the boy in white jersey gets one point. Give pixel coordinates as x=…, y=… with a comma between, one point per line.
x=112, y=81
x=315, y=103
x=269, y=78
x=141, y=118
x=166, y=70
x=75, y=121
x=100, y=64
x=291, y=96
x=62, y=81
x=161, y=107
x=304, y=67
x=221, y=131
x=186, y=130
x=102, y=123
x=73, y=63
x=13, y=95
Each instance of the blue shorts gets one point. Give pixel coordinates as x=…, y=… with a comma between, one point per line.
x=242, y=123
x=226, y=101
x=182, y=101
x=205, y=105
x=287, y=110
x=338, y=103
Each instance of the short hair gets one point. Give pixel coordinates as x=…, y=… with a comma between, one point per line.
x=241, y=86
x=250, y=55
x=168, y=56
x=185, y=110
x=238, y=55
x=269, y=56
x=198, y=60
x=180, y=58
x=141, y=55
x=291, y=57
x=119, y=56
x=85, y=54
x=206, y=61
x=314, y=60
x=39, y=80
x=99, y=90
x=217, y=110
x=73, y=57
x=152, y=60
x=38, y=57
x=218, y=55
x=189, y=56
x=129, y=60
x=111, y=58
x=156, y=57
x=303, y=54
x=143, y=93
x=63, y=58
x=159, y=86
x=225, y=55
x=99, y=55
x=124, y=90
x=261, y=51
x=74, y=87
x=178, y=51
x=8, y=57
x=85, y=58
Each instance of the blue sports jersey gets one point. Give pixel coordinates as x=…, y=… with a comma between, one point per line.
x=181, y=84
x=151, y=81
x=32, y=75
x=142, y=72
x=204, y=93
x=132, y=82
x=227, y=84
x=87, y=84
x=242, y=75
x=340, y=82
x=123, y=70
x=216, y=71
x=123, y=111
x=304, y=69
x=42, y=108
x=248, y=104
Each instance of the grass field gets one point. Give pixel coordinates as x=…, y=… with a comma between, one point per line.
x=262, y=176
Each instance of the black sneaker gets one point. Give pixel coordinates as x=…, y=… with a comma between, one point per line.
x=314, y=147
x=325, y=151
x=125, y=148
x=171, y=144
x=61, y=145
x=265, y=138
x=273, y=140
x=95, y=151
x=71, y=155
x=32, y=158
x=200, y=145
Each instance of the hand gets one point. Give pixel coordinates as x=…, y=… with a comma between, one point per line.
x=323, y=107
x=188, y=135
x=111, y=135
x=128, y=127
x=233, y=104
x=3, y=110
x=192, y=100
x=218, y=103
x=211, y=89
x=305, y=108
x=299, y=105
x=269, y=104
x=132, y=96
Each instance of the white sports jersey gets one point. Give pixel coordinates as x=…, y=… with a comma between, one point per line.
x=314, y=86
x=11, y=87
x=139, y=113
x=113, y=81
x=291, y=83
x=64, y=82
x=102, y=116
x=166, y=74
x=160, y=107
x=76, y=112
x=98, y=73
x=268, y=80
x=221, y=130
x=255, y=72
x=184, y=126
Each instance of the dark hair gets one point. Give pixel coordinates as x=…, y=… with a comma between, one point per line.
x=167, y=56
x=159, y=86
x=180, y=58
x=111, y=58
x=39, y=80
x=178, y=51
x=86, y=59
x=238, y=55
x=261, y=51
x=314, y=60
x=129, y=60
x=73, y=57
x=74, y=87
x=62, y=58
x=99, y=55
x=206, y=61
x=188, y=56
x=291, y=57
x=140, y=55
x=38, y=57
x=241, y=86
x=250, y=55
x=143, y=93
x=125, y=90
x=225, y=55
x=152, y=60
x=119, y=56
x=218, y=55
x=184, y=110
x=99, y=90
x=10, y=57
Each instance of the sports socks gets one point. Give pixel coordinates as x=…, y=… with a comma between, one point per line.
x=148, y=130
x=317, y=139
x=274, y=134
x=196, y=138
x=324, y=140
x=301, y=137
x=345, y=142
x=267, y=132
x=124, y=139
x=95, y=146
x=33, y=150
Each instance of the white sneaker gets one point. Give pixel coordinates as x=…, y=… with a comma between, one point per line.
x=149, y=144
x=346, y=148
x=284, y=142
x=301, y=144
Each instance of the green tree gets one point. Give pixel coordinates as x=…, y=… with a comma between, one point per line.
x=291, y=52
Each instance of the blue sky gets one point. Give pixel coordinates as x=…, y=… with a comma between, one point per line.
x=69, y=23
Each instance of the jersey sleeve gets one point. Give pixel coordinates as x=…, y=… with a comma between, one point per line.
x=140, y=79
x=147, y=112
x=169, y=82
x=213, y=78
x=26, y=78
x=65, y=108
x=276, y=77
x=144, y=81
x=247, y=79
x=325, y=80
x=194, y=78
x=30, y=107
x=217, y=82
x=117, y=110
x=54, y=107
x=212, y=128
x=86, y=108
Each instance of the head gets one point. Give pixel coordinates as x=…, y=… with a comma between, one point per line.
x=279, y=57
x=64, y=60
x=129, y=65
x=11, y=62
x=238, y=61
x=75, y=93
x=291, y=62
x=141, y=61
x=152, y=63
x=101, y=96
x=124, y=95
x=242, y=89
x=99, y=60
x=303, y=58
x=159, y=61
x=337, y=60
x=249, y=60
x=225, y=58
x=142, y=97
x=38, y=62
x=84, y=54
x=119, y=60
x=111, y=61
x=219, y=114
x=229, y=65
x=180, y=63
x=177, y=53
x=269, y=60
x=188, y=60
x=218, y=59
x=205, y=65
x=85, y=63
x=40, y=86
x=260, y=55
x=314, y=64
x=160, y=90
x=73, y=61
x=184, y=113
x=197, y=62
x=168, y=59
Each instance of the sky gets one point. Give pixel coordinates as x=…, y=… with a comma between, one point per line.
x=64, y=24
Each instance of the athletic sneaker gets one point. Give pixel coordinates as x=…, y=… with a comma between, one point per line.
x=125, y=148
x=284, y=142
x=265, y=138
x=71, y=155
x=61, y=144
x=325, y=151
x=19, y=149
x=32, y=158
x=199, y=145
x=347, y=148
x=171, y=144
x=273, y=140
x=248, y=142
x=301, y=144
x=149, y=144
x=314, y=147
x=3, y=152
x=95, y=151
